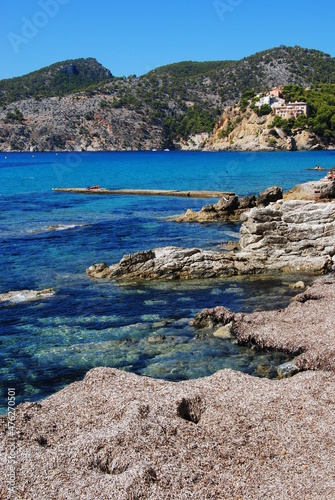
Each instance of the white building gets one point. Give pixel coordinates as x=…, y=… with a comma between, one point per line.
x=271, y=101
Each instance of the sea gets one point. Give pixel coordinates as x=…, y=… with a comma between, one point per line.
x=48, y=239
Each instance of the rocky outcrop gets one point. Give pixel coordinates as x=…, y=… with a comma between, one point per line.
x=286, y=236
x=314, y=190
x=244, y=130
x=226, y=209
x=15, y=297
x=120, y=436
x=295, y=330
x=167, y=263
x=268, y=196
x=230, y=208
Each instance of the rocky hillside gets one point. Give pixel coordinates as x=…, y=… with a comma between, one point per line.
x=75, y=123
x=245, y=130
x=79, y=105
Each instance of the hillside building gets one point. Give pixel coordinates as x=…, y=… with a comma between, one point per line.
x=275, y=92
x=291, y=110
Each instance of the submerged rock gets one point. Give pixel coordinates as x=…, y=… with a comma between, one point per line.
x=287, y=369
x=219, y=315
x=15, y=297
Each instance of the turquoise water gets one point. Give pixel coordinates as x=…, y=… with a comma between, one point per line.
x=48, y=239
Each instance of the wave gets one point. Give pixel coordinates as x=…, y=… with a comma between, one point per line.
x=64, y=227
x=17, y=296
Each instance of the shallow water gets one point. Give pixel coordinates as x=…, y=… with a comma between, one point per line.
x=48, y=240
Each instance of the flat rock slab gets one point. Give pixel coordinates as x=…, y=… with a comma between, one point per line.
x=147, y=192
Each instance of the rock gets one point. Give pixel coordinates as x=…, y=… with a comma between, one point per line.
x=156, y=339
x=288, y=235
x=247, y=202
x=219, y=315
x=231, y=208
x=229, y=204
x=298, y=284
x=18, y=296
x=227, y=208
x=268, y=196
x=168, y=263
x=287, y=369
x=224, y=332
x=100, y=270
x=314, y=190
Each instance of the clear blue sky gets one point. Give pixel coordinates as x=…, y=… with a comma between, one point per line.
x=134, y=36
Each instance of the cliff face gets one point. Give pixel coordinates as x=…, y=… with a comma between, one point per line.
x=75, y=123
x=246, y=131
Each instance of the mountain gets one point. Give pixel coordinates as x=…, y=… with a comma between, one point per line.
x=59, y=79
x=78, y=104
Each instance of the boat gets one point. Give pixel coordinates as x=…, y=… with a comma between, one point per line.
x=90, y=188
x=316, y=168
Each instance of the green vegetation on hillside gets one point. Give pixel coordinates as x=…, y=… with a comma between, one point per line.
x=56, y=80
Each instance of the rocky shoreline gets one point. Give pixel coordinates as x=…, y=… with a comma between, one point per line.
x=121, y=436
x=286, y=235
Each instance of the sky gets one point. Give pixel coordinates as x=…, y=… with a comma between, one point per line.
x=134, y=36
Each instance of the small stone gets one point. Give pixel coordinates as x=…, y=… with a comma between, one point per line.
x=298, y=284
x=224, y=332
x=287, y=369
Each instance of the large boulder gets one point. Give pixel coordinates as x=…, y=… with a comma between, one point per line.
x=290, y=235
